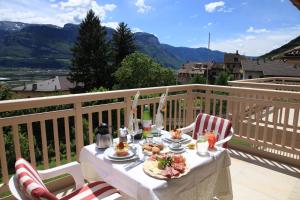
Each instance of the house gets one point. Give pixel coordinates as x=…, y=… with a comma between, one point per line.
x=293, y=56
x=52, y=86
x=190, y=70
x=232, y=63
x=262, y=68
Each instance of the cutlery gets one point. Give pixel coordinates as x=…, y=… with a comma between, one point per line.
x=134, y=164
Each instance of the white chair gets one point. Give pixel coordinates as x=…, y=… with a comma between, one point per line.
x=27, y=183
x=205, y=122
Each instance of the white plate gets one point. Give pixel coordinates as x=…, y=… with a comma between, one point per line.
x=185, y=138
x=177, y=151
x=110, y=152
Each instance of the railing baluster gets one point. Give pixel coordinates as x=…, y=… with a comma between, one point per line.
x=56, y=142
x=257, y=117
x=31, y=144
x=266, y=124
x=91, y=135
x=175, y=114
x=154, y=112
x=100, y=117
x=179, y=114
x=221, y=108
x=214, y=100
x=109, y=121
x=275, y=122
x=67, y=135
x=4, y=166
x=118, y=119
x=295, y=127
x=249, y=121
x=190, y=107
x=16, y=138
x=44, y=144
x=170, y=115
x=285, y=123
x=241, y=118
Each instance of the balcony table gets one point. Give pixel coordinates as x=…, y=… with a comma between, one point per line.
x=209, y=176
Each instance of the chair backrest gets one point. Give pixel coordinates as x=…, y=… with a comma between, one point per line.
x=205, y=122
x=30, y=182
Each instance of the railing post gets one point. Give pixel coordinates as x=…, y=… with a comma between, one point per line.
x=207, y=101
x=78, y=129
x=190, y=107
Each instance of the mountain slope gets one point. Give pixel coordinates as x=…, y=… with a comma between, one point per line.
x=34, y=45
x=279, y=51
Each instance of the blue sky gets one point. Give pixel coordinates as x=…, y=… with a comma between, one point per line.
x=253, y=27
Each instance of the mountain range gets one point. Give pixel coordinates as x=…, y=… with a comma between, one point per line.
x=278, y=53
x=48, y=46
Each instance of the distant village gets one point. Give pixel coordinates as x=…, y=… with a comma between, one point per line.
x=239, y=66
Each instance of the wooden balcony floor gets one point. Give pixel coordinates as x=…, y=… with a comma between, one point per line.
x=261, y=179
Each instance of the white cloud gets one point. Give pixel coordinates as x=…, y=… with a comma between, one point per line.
x=142, y=7
x=254, y=30
x=211, y=7
x=51, y=12
x=75, y=10
x=137, y=30
x=209, y=23
x=259, y=44
x=113, y=25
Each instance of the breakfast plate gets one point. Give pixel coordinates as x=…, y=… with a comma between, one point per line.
x=109, y=154
x=175, y=169
x=184, y=138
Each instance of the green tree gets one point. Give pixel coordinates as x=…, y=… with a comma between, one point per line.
x=198, y=79
x=5, y=92
x=91, y=55
x=137, y=70
x=123, y=43
x=223, y=78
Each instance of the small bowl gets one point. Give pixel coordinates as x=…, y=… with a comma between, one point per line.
x=176, y=145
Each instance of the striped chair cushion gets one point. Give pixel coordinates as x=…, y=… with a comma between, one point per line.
x=30, y=181
x=95, y=190
x=205, y=122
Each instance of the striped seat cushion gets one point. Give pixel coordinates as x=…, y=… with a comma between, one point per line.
x=30, y=181
x=95, y=190
x=205, y=122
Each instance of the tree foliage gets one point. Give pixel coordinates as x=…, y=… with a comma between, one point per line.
x=223, y=78
x=91, y=55
x=137, y=70
x=122, y=43
x=5, y=92
x=200, y=79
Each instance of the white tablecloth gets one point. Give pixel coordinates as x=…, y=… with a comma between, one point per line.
x=209, y=177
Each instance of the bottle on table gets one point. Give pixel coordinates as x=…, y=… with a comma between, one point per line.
x=147, y=122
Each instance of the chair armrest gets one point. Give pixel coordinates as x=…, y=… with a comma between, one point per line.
x=221, y=142
x=14, y=188
x=72, y=168
x=188, y=128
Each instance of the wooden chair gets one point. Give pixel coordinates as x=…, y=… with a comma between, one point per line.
x=27, y=183
x=205, y=122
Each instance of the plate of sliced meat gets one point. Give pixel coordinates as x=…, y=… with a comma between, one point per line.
x=166, y=166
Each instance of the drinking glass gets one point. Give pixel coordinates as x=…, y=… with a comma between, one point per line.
x=202, y=145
